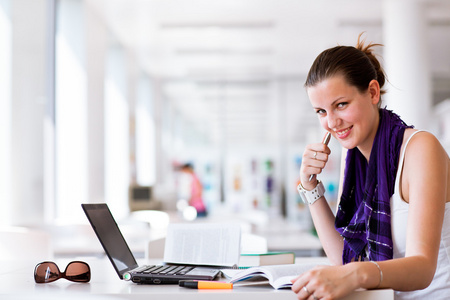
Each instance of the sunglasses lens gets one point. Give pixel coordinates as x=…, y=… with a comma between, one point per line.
x=46, y=272
x=78, y=271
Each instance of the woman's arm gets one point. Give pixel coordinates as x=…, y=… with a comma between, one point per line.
x=330, y=239
x=424, y=187
x=314, y=160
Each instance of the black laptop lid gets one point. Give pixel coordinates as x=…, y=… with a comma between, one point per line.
x=110, y=237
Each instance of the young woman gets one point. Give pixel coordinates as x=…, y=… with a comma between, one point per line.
x=392, y=225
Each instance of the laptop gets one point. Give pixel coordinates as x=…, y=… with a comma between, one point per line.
x=123, y=261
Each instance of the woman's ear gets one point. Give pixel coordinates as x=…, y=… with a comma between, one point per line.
x=374, y=90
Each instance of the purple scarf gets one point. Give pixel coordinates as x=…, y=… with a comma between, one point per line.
x=364, y=213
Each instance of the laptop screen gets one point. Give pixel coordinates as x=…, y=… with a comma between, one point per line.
x=110, y=237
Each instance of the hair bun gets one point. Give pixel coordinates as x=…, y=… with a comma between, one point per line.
x=368, y=50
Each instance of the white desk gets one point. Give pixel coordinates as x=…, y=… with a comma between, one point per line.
x=17, y=282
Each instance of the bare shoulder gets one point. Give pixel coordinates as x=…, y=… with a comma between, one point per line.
x=424, y=144
x=426, y=164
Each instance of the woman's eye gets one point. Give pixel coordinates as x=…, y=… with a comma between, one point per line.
x=320, y=111
x=342, y=104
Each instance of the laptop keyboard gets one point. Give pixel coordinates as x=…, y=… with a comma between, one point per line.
x=166, y=270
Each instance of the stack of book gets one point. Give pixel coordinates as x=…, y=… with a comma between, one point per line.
x=265, y=259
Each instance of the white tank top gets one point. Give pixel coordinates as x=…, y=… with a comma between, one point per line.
x=440, y=286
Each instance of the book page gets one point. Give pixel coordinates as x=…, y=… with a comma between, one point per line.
x=203, y=244
x=283, y=282
x=278, y=271
x=278, y=275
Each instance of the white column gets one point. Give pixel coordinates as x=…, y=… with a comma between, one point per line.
x=117, y=154
x=71, y=109
x=132, y=70
x=160, y=131
x=49, y=159
x=28, y=84
x=96, y=41
x=5, y=112
x=406, y=60
x=145, y=133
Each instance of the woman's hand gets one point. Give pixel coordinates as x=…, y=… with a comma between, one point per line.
x=326, y=282
x=315, y=158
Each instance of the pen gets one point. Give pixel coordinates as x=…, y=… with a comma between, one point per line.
x=325, y=141
x=205, y=285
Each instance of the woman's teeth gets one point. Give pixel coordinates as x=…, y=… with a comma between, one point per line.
x=343, y=132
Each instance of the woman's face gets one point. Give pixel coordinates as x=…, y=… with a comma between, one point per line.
x=351, y=116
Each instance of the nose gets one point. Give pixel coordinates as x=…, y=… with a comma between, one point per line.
x=332, y=121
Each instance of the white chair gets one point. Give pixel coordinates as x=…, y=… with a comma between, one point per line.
x=155, y=248
x=155, y=218
x=20, y=243
x=158, y=221
x=253, y=244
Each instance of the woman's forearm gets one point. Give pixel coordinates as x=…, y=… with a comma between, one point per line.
x=401, y=274
x=331, y=240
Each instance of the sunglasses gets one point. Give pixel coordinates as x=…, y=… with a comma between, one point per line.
x=48, y=271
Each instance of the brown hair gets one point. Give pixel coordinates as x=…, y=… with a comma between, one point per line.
x=357, y=64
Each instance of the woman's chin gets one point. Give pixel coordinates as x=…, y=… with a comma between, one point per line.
x=347, y=144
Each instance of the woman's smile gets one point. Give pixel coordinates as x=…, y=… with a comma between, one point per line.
x=342, y=134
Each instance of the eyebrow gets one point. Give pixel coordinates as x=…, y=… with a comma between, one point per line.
x=338, y=99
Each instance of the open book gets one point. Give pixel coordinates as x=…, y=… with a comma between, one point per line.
x=210, y=244
x=279, y=276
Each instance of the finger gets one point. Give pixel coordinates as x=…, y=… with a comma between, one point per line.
x=311, y=154
x=314, y=171
x=321, y=156
x=314, y=166
x=321, y=148
x=303, y=293
x=316, y=159
x=307, y=292
x=298, y=285
x=312, y=291
x=313, y=297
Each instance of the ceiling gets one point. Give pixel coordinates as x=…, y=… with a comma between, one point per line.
x=233, y=70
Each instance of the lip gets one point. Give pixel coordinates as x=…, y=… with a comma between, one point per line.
x=342, y=134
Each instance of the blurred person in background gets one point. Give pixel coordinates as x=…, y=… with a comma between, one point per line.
x=193, y=188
